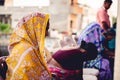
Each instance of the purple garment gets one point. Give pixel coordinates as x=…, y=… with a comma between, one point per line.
x=69, y=59
x=93, y=33
x=105, y=73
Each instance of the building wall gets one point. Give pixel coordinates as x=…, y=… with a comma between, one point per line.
x=59, y=10
x=18, y=12
x=8, y=2
x=75, y=16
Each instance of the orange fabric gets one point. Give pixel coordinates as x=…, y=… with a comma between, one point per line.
x=26, y=60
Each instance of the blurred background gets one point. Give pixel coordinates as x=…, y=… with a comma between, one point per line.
x=67, y=17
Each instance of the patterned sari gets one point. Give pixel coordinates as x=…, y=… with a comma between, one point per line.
x=93, y=33
x=26, y=60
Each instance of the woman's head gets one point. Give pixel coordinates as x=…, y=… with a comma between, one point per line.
x=32, y=28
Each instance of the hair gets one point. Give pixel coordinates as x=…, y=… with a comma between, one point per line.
x=110, y=32
x=91, y=50
x=82, y=45
x=109, y=1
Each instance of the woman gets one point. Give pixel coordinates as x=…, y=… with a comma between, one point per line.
x=26, y=60
x=93, y=33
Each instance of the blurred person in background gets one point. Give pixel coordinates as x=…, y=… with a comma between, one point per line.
x=102, y=15
x=109, y=47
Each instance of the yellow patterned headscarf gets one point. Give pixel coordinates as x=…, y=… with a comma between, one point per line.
x=26, y=60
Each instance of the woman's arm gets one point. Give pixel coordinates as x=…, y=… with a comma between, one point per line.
x=48, y=55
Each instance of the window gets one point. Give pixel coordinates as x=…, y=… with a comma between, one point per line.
x=5, y=19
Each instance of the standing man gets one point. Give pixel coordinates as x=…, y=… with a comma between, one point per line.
x=102, y=15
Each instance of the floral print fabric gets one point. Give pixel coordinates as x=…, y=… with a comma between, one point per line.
x=26, y=60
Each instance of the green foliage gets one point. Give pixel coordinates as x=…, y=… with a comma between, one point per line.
x=114, y=19
x=5, y=28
